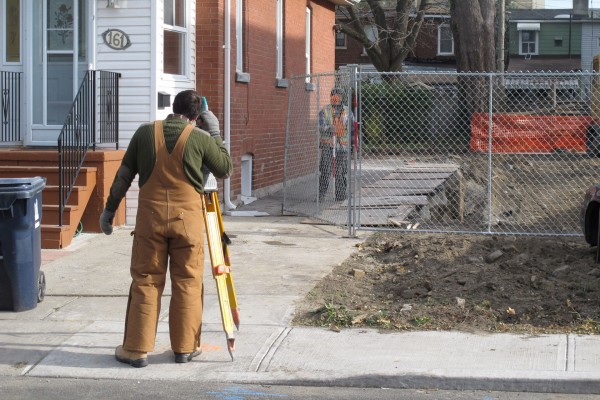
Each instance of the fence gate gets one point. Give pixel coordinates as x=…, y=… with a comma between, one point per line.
x=448, y=152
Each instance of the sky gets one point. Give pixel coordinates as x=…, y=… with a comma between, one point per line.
x=559, y=3
x=569, y=3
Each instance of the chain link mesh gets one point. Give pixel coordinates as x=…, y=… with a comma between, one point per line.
x=447, y=152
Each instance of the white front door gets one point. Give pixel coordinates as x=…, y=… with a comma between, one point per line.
x=58, y=62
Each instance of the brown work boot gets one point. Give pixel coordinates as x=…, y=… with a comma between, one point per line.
x=187, y=357
x=136, y=359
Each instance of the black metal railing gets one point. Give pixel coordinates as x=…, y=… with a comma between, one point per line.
x=10, y=103
x=93, y=119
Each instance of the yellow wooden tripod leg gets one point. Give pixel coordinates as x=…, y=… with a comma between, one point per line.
x=219, y=269
x=235, y=312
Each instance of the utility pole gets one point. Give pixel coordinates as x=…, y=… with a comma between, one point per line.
x=501, y=33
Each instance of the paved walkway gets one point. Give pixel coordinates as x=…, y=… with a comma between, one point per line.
x=277, y=259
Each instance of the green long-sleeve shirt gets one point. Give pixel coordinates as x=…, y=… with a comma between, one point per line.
x=200, y=150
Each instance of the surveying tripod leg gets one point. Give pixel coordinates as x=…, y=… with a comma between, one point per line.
x=235, y=312
x=220, y=269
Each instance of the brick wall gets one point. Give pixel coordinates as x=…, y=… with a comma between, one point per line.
x=259, y=107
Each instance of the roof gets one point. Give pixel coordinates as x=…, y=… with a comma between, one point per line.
x=540, y=14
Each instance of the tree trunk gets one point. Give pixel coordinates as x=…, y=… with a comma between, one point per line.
x=473, y=24
x=473, y=27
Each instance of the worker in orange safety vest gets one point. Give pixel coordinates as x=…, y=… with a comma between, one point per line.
x=334, y=122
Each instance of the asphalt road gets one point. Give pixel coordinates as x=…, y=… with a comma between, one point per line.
x=18, y=388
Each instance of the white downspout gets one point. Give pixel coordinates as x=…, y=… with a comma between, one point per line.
x=227, y=103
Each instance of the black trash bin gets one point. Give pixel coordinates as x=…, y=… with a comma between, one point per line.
x=22, y=284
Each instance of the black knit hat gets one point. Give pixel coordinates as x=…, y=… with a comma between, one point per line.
x=339, y=91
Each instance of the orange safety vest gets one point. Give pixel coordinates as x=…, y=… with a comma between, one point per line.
x=339, y=125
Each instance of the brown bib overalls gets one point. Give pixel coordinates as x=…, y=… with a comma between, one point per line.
x=169, y=228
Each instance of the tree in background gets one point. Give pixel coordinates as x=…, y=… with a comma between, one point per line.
x=385, y=29
x=474, y=28
x=473, y=25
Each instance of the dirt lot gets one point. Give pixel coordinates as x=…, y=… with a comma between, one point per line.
x=461, y=282
x=523, y=283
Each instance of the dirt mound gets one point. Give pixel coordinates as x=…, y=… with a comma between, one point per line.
x=461, y=282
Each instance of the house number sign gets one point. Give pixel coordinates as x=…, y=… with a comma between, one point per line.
x=116, y=39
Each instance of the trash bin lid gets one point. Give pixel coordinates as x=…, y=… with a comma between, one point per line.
x=21, y=188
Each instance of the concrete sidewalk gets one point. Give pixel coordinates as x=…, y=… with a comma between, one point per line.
x=277, y=259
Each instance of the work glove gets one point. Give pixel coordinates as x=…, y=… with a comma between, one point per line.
x=106, y=221
x=209, y=123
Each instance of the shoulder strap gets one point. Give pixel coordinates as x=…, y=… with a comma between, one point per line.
x=181, y=141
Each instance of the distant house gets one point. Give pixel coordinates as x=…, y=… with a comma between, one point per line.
x=545, y=40
x=434, y=46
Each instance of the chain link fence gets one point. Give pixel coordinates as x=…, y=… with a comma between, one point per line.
x=445, y=152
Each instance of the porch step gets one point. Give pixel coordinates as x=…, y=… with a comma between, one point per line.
x=86, y=175
x=56, y=237
x=50, y=214
x=53, y=235
x=51, y=195
x=87, y=196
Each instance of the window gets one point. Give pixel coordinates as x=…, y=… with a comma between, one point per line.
x=445, y=40
x=12, y=31
x=239, y=35
x=175, y=37
x=307, y=43
x=528, y=42
x=340, y=40
x=279, y=39
x=558, y=41
x=372, y=35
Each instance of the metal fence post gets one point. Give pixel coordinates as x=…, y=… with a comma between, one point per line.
x=490, y=126
x=318, y=140
x=287, y=141
x=351, y=177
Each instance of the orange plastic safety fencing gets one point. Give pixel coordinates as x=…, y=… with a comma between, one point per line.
x=519, y=133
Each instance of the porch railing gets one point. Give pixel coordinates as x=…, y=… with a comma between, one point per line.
x=93, y=119
x=10, y=113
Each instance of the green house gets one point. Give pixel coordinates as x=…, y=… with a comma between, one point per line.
x=545, y=40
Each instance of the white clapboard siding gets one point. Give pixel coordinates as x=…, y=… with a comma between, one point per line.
x=589, y=44
x=140, y=66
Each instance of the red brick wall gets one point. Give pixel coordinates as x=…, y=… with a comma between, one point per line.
x=259, y=108
x=352, y=54
x=323, y=37
x=209, y=52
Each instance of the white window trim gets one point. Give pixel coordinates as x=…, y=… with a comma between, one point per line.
x=537, y=43
x=185, y=58
x=439, y=40
x=372, y=34
x=279, y=39
x=345, y=46
x=307, y=44
x=3, y=44
x=239, y=35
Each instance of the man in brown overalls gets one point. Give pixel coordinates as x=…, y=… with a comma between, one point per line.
x=169, y=156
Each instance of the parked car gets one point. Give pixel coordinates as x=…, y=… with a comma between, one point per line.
x=590, y=216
